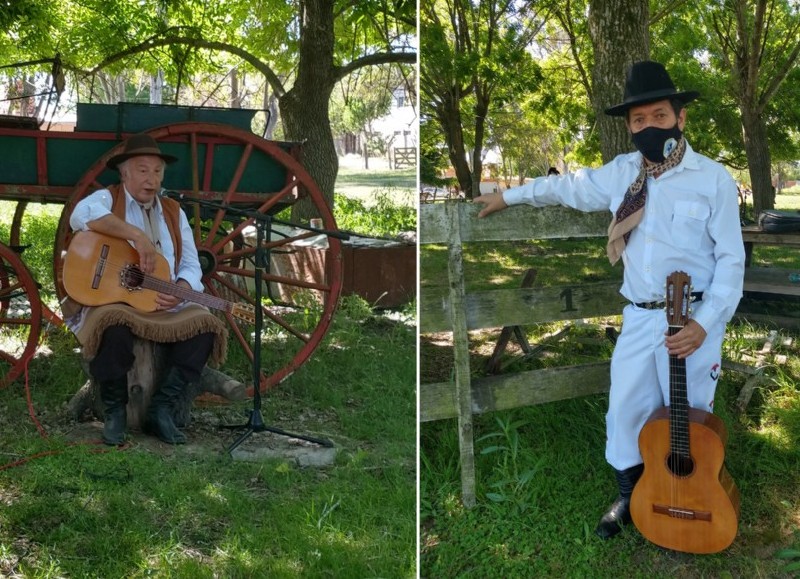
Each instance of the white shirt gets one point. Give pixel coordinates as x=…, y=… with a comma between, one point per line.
x=98, y=205
x=690, y=223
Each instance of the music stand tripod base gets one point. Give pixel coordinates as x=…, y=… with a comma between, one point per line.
x=256, y=422
x=304, y=453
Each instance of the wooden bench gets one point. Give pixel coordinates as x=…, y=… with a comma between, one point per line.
x=769, y=289
x=770, y=280
x=752, y=234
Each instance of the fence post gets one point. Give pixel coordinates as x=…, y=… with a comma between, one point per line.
x=461, y=354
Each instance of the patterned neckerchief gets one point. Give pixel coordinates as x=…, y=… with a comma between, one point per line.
x=631, y=210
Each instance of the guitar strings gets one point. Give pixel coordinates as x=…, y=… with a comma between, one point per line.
x=113, y=267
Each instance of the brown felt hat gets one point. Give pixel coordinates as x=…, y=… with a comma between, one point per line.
x=648, y=82
x=137, y=146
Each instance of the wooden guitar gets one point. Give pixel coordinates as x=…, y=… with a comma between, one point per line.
x=685, y=500
x=100, y=270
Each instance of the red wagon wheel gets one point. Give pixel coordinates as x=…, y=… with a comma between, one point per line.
x=242, y=171
x=20, y=316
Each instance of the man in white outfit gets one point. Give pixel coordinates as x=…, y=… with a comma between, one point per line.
x=673, y=210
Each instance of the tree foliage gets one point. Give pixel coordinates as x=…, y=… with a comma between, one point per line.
x=474, y=59
x=742, y=55
x=300, y=48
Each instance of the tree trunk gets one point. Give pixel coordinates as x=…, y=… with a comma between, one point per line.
x=620, y=37
x=157, y=88
x=236, y=97
x=271, y=106
x=143, y=379
x=481, y=110
x=449, y=114
x=304, y=108
x=756, y=148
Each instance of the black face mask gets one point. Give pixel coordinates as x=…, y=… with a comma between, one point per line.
x=656, y=144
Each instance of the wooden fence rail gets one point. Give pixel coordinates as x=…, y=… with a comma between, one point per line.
x=454, y=224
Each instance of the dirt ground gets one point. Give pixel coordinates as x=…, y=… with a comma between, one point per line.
x=208, y=435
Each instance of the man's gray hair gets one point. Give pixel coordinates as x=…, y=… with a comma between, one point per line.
x=124, y=165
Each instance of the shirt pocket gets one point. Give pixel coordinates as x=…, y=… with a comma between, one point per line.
x=689, y=221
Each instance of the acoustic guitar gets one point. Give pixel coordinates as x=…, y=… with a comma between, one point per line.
x=100, y=270
x=685, y=500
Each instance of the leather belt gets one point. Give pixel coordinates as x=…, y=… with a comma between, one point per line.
x=695, y=297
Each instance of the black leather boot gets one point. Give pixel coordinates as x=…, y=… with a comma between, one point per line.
x=619, y=513
x=114, y=394
x=159, y=414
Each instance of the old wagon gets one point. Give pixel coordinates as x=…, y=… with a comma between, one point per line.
x=223, y=169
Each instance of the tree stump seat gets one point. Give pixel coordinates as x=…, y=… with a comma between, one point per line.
x=143, y=379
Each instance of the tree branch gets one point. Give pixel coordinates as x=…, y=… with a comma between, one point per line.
x=154, y=42
x=668, y=8
x=374, y=59
x=565, y=19
x=781, y=74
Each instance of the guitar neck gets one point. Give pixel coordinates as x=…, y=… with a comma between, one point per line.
x=164, y=287
x=678, y=403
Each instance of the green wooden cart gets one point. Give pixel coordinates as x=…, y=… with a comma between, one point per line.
x=221, y=161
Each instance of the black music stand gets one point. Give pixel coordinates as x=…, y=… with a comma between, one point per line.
x=262, y=222
x=255, y=422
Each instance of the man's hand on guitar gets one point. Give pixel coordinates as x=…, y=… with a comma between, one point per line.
x=166, y=301
x=687, y=340
x=147, y=253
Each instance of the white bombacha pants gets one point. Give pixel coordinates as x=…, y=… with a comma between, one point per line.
x=640, y=379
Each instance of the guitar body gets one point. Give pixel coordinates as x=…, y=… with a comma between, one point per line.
x=100, y=270
x=90, y=287
x=685, y=500
x=690, y=507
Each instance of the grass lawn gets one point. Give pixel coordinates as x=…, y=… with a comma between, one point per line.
x=72, y=508
x=542, y=479
x=362, y=184
x=191, y=511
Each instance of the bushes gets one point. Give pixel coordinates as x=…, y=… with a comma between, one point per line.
x=385, y=218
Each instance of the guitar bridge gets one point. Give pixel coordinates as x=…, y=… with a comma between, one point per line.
x=681, y=513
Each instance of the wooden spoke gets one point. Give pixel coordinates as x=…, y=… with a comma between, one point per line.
x=21, y=317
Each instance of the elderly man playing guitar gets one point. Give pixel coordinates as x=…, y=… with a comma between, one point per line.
x=157, y=229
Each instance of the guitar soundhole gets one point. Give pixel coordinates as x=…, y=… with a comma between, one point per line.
x=680, y=465
x=131, y=277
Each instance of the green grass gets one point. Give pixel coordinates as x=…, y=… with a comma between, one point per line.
x=362, y=184
x=398, y=178
x=542, y=479
x=198, y=513
x=192, y=511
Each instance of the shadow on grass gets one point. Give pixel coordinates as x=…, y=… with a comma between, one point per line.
x=184, y=513
x=401, y=178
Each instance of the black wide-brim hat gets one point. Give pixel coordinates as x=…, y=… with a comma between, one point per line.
x=648, y=82
x=138, y=146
